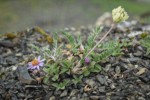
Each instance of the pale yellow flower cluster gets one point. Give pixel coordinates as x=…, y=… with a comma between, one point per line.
x=119, y=14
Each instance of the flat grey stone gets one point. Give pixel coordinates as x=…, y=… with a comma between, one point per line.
x=63, y=94
x=24, y=76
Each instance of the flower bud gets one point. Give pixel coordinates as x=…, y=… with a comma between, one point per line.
x=119, y=15
x=87, y=60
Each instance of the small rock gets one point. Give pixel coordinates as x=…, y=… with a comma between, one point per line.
x=94, y=92
x=73, y=92
x=134, y=33
x=128, y=70
x=14, y=67
x=117, y=69
x=109, y=81
x=24, y=76
x=144, y=79
x=90, y=82
x=141, y=71
x=107, y=67
x=124, y=26
x=141, y=98
x=57, y=92
x=94, y=97
x=63, y=94
x=3, y=61
x=49, y=96
x=102, y=89
x=52, y=98
x=138, y=53
x=125, y=60
x=112, y=86
x=146, y=28
x=22, y=95
x=19, y=54
x=11, y=60
x=73, y=98
x=101, y=79
x=134, y=59
x=85, y=95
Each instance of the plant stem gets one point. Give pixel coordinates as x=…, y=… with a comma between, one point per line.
x=76, y=68
x=100, y=40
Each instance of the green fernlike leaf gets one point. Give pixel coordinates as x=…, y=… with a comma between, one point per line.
x=46, y=79
x=51, y=69
x=86, y=72
x=35, y=47
x=92, y=36
x=111, y=48
x=65, y=66
x=55, y=77
x=61, y=85
x=97, y=68
x=76, y=79
x=64, y=70
x=70, y=38
x=55, y=35
x=145, y=42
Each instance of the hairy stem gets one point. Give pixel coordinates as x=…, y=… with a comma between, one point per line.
x=100, y=41
x=76, y=68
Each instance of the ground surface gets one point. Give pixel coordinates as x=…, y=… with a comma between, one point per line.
x=126, y=77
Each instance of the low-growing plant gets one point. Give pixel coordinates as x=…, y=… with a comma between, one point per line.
x=65, y=65
x=145, y=42
x=61, y=85
x=76, y=79
x=92, y=68
x=92, y=36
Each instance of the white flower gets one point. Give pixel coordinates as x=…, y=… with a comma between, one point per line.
x=119, y=14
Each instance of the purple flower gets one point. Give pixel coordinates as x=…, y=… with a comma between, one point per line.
x=36, y=63
x=87, y=60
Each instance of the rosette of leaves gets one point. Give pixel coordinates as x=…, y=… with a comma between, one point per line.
x=59, y=76
x=58, y=71
x=93, y=67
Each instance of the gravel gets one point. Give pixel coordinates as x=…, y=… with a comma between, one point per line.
x=125, y=77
